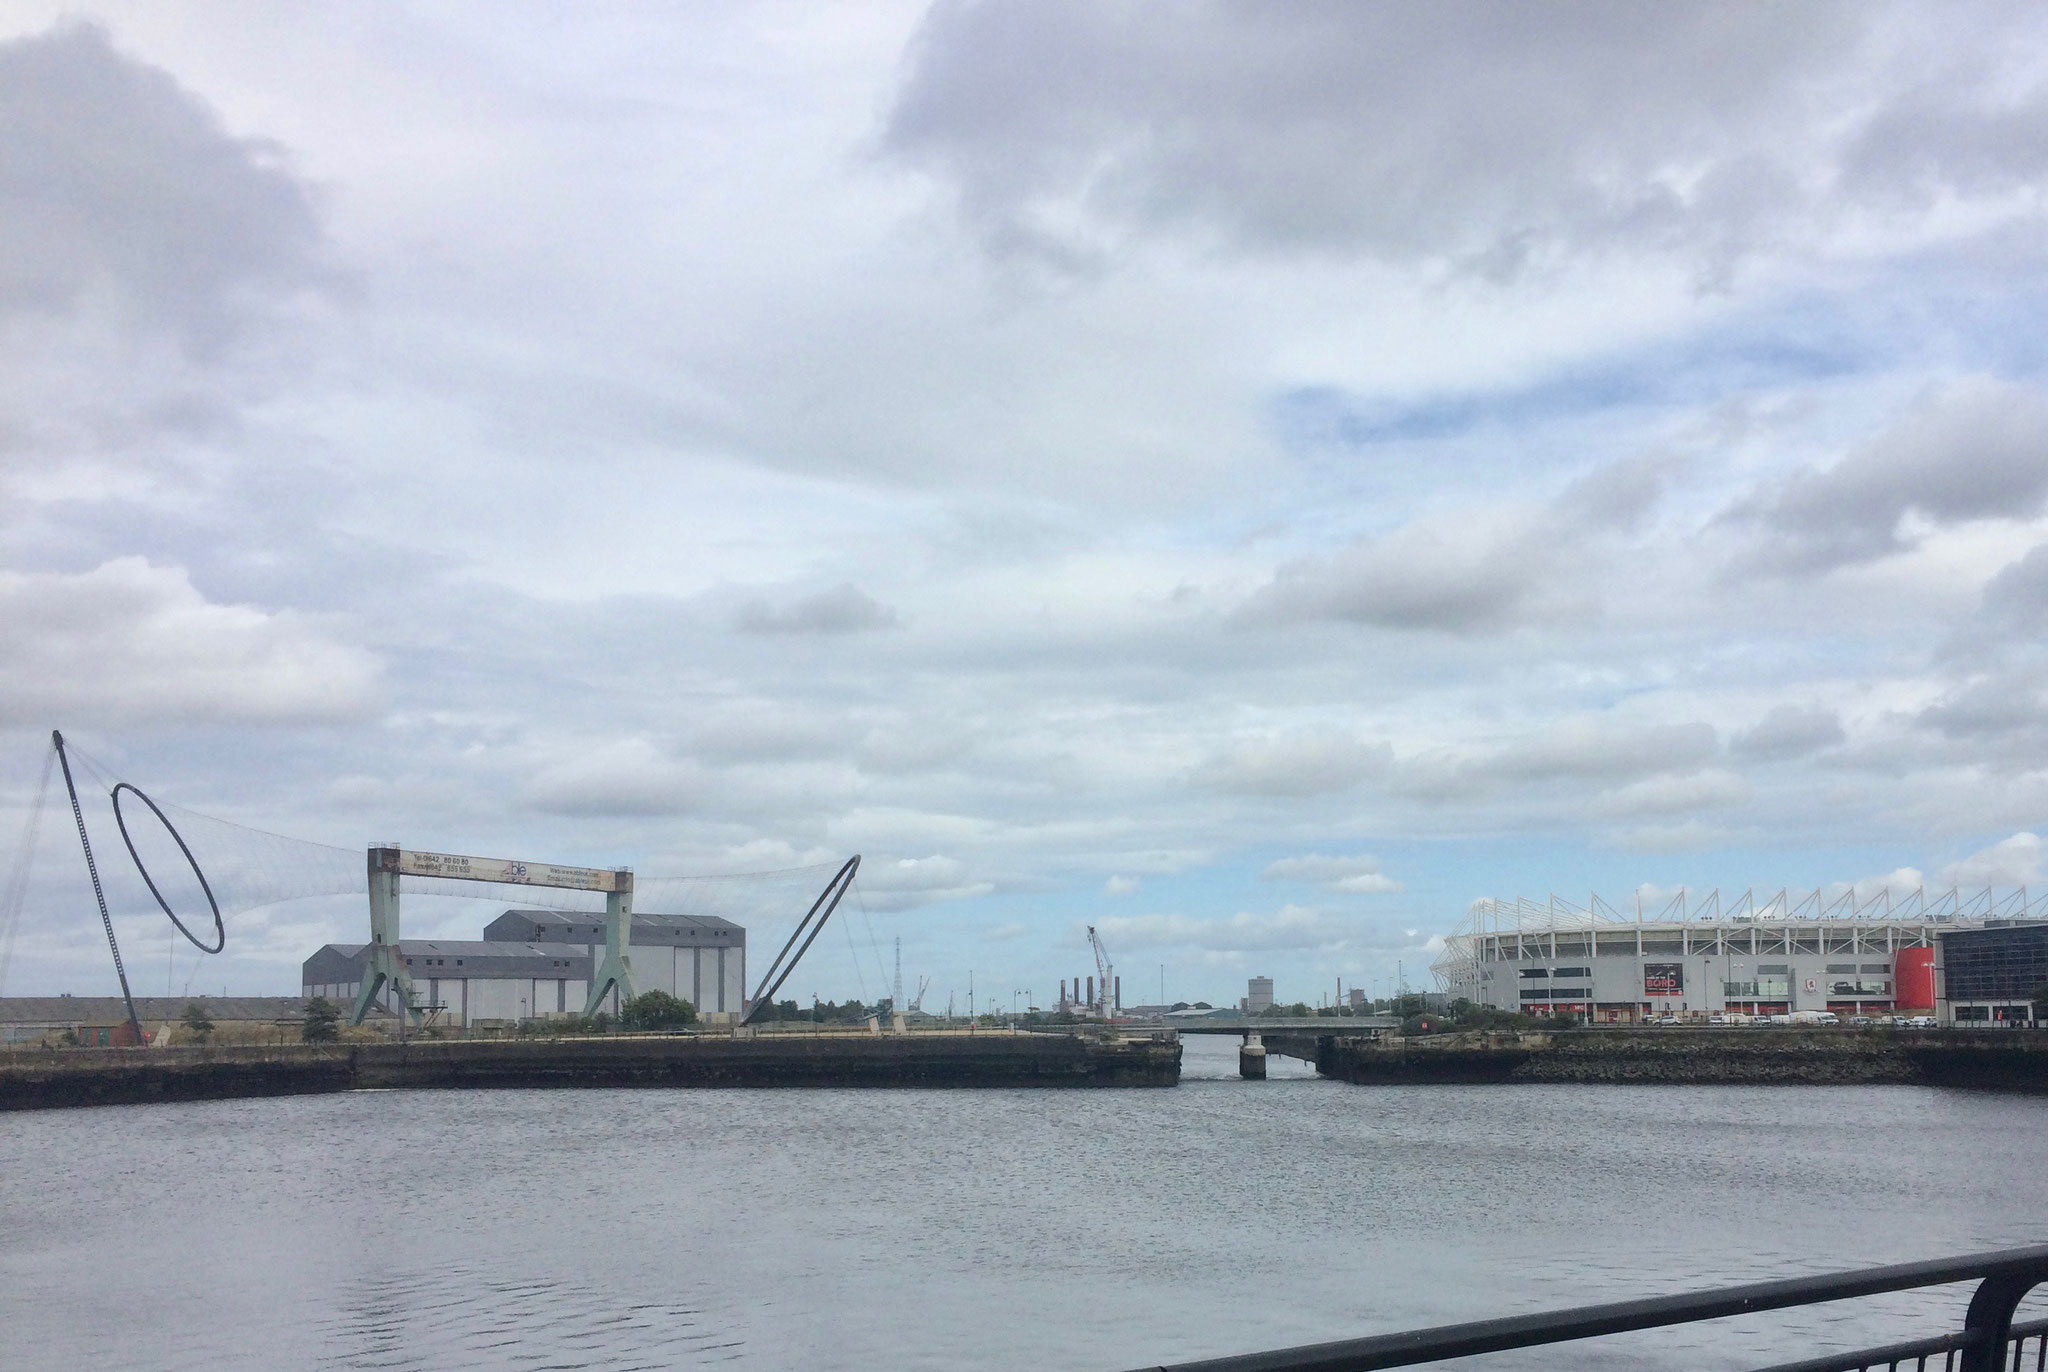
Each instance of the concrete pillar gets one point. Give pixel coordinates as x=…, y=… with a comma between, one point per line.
x=1251, y=1059
x=385, y=966
x=615, y=972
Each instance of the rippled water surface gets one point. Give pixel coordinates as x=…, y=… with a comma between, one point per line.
x=948, y=1229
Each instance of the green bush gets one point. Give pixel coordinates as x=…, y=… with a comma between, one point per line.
x=657, y=1010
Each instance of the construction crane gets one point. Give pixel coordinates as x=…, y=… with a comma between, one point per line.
x=1105, y=1003
x=917, y=1004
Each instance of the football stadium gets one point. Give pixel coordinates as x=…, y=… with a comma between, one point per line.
x=1700, y=956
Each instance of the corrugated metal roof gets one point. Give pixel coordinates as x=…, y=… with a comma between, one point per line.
x=453, y=959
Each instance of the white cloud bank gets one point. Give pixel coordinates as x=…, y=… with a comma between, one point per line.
x=131, y=644
x=1360, y=875
x=1042, y=440
x=2014, y=861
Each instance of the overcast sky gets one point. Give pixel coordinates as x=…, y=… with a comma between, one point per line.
x=1251, y=477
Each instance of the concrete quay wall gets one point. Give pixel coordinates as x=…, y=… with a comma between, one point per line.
x=126, y=1076
x=2007, y=1060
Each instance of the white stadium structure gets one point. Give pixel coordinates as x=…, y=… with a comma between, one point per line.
x=1691, y=957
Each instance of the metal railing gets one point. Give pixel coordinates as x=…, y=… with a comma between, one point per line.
x=1989, y=1341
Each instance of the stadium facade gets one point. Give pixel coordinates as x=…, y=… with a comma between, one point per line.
x=1697, y=956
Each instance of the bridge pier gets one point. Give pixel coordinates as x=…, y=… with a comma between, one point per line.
x=1251, y=1058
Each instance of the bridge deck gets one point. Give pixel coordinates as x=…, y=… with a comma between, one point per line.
x=1318, y=1024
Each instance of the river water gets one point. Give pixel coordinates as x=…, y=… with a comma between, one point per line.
x=965, y=1229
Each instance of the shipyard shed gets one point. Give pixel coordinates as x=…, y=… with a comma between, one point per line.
x=467, y=981
x=698, y=958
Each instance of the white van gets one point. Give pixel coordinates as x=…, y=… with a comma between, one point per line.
x=1813, y=1017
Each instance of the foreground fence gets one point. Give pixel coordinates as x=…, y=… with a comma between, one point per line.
x=1989, y=1340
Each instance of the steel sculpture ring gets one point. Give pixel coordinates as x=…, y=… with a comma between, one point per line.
x=219, y=929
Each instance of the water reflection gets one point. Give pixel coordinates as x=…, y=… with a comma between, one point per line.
x=462, y=1318
x=939, y=1229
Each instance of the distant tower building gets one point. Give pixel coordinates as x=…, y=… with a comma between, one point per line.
x=1258, y=994
x=1357, y=995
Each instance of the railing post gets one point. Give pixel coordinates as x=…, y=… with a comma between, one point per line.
x=1990, y=1318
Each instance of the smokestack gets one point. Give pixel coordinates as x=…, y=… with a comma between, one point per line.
x=1119, y=993
x=1091, y=990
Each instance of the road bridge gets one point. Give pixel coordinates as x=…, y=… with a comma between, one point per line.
x=1269, y=1024
x=1307, y=1038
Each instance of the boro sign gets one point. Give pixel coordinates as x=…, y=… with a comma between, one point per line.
x=1663, y=978
x=460, y=868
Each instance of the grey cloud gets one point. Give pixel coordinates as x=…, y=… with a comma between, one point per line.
x=1583, y=749
x=1569, y=750
x=1975, y=449
x=1789, y=731
x=112, y=175
x=909, y=748
x=632, y=776
x=1304, y=762
x=907, y=883
x=1687, y=836
x=1360, y=875
x=1712, y=788
x=1485, y=572
x=1425, y=577
x=844, y=609
x=1971, y=132
x=1487, y=134
x=2017, y=597
x=1992, y=707
x=1621, y=494
x=765, y=729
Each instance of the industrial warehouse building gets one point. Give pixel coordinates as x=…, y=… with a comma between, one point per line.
x=1991, y=975
x=534, y=963
x=1785, y=956
x=697, y=958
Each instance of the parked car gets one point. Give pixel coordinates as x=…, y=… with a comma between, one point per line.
x=1862, y=1021
x=1923, y=1022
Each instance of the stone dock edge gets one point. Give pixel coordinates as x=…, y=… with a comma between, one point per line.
x=129, y=1076
x=2011, y=1060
